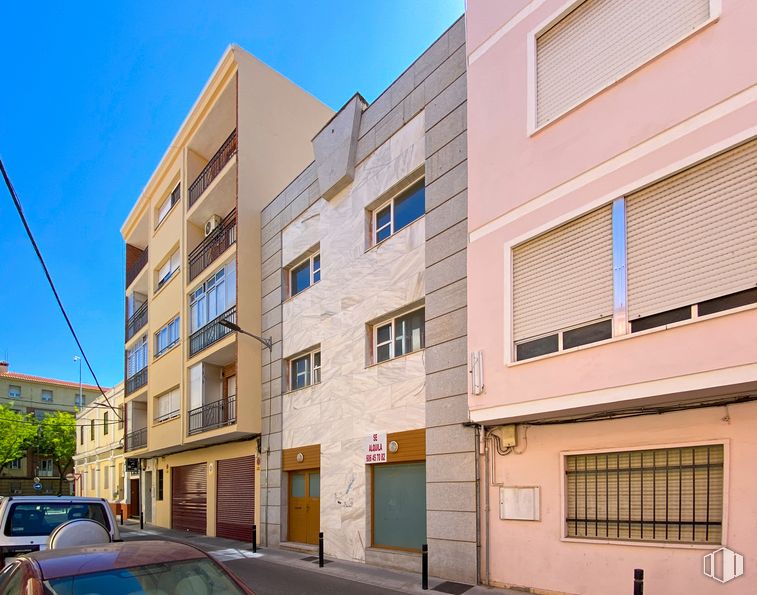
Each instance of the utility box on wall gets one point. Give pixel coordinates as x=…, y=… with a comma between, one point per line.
x=519, y=503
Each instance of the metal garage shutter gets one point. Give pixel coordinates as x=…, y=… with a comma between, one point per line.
x=563, y=277
x=189, y=498
x=693, y=236
x=600, y=42
x=236, y=498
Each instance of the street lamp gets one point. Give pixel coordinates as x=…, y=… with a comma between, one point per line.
x=235, y=327
x=81, y=398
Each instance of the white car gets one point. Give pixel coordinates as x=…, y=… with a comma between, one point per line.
x=27, y=521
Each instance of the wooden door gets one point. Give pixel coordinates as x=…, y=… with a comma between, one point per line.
x=134, y=500
x=304, y=506
x=314, y=506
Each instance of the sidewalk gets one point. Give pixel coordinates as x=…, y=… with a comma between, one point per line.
x=225, y=550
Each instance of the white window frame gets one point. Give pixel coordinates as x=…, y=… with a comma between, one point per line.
x=390, y=203
x=207, y=294
x=312, y=272
x=167, y=202
x=15, y=465
x=135, y=356
x=46, y=396
x=172, y=334
x=79, y=400
x=45, y=467
x=13, y=394
x=172, y=409
x=167, y=270
x=312, y=373
x=390, y=322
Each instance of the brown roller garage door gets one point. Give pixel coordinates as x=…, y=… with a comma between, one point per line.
x=189, y=498
x=236, y=498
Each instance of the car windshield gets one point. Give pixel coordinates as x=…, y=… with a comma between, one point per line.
x=27, y=519
x=172, y=578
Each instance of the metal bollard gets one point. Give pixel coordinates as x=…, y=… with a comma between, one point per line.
x=141, y=520
x=638, y=581
x=254, y=539
x=424, y=567
x=320, y=550
x=121, y=512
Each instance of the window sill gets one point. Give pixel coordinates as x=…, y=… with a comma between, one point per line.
x=377, y=245
x=162, y=221
x=166, y=283
x=302, y=388
x=160, y=422
x=167, y=350
x=299, y=293
x=666, y=545
x=394, y=359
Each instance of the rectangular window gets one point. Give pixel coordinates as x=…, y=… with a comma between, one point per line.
x=166, y=271
x=15, y=465
x=600, y=41
x=304, y=274
x=160, y=485
x=672, y=495
x=399, y=211
x=136, y=357
x=92, y=429
x=166, y=206
x=14, y=391
x=399, y=506
x=81, y=435
x=106, y=424
x=167, y=337
x=45, y=467
x=106, y=478
x=80, y=400
x=305, y=370
x=211, y=299
x=92, y=474
x=399, y=336
x=47, y=396
x=168, y=406
x=120, y=417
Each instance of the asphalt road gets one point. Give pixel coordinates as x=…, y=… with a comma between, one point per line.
x=270, y=578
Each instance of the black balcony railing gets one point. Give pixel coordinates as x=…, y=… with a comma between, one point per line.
x=136, y=321
x=136, y=439
x=213, y=168
x=213, y=246
x=136, y=267
x=136, y=381
x=211, y=332
x=213, y=415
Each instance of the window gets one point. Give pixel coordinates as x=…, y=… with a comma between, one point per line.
x=136, y=357
x=80, y=400
x=167, y=406
x=168, y=269
x=106, y=424
x=81, y=434
x=398, y=212
x=399, y=505
x=399, y=336
x=15, y=464
x=672, y=495
x=120, y=417
x=92, y=482
x=167, y=337
x=47, y=396
x=593, y=46
x=305, y=370
x=167, y=204
x=106, y=478
x=45, y=467
x=305, y=274
x=213, y=298
x=160, y=484
x=14, y=392
x=92, y=429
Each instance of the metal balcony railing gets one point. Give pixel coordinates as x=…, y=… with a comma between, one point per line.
x=213, y=168
x=213, y=246
x=211, y=332
x=136, y=381
x=136, y=439
x=136, y=321
x=136, y=267
x=213, y=415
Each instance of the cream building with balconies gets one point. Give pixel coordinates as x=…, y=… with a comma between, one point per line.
x=192, y=386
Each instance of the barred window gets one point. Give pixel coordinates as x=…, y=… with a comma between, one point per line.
x=670, y=495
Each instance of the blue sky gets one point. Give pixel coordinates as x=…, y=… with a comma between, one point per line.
x=92, y=93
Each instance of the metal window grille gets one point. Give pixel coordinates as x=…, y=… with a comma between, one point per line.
x=666, y=495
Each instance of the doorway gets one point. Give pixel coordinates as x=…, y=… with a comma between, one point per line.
x=134, y=498
x=304, y=506
x=148, y=496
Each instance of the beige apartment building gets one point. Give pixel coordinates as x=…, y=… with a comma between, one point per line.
x=192, y=389
x=99, y=464
x=28, y=394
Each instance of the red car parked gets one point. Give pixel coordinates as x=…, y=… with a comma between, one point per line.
x=129, y=568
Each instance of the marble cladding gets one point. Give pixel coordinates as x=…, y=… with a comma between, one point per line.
x=358, y=285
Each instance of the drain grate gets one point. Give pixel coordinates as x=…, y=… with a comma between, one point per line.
x=452, y=588
x=309, y=559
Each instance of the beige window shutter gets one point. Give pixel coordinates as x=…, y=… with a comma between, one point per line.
x=693, y=236
x=563, y=278
x=601, y=41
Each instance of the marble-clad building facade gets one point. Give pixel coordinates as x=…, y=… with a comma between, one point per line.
x=363, y=293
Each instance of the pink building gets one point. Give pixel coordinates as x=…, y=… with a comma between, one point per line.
x=612, y=291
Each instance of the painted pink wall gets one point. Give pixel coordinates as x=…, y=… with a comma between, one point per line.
x=531, y=553
x=672, y=111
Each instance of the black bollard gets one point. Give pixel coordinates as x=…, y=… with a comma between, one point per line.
x=320, y=549
x=254, y=539
x=638, y=581
x=121, y=512
x=424, y=567
x=141, y=520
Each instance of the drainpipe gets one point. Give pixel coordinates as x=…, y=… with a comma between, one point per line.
x=484, y=445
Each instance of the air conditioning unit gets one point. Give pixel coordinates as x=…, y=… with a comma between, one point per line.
x=211, y=224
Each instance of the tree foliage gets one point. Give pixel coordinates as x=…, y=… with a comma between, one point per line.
x=57, y=439
x=17, y=433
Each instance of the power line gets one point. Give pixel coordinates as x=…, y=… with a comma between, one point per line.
x=20, y=210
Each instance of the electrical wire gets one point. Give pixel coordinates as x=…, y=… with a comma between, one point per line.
x=20, y=210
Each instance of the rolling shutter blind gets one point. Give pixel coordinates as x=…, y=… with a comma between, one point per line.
x=672, y=495
x=601, y=41
x=693, y=236
x=564, y=277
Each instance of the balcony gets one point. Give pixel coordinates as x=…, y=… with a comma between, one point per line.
x=213, y=415
x=211, y=332
x=213, y=168
x=136, y=266
x=136, y=381
x=213, y=246
x=136, y=321
x=135, y=440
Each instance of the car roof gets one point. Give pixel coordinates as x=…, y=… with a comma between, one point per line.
x=52, y=499
x=97, y=558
